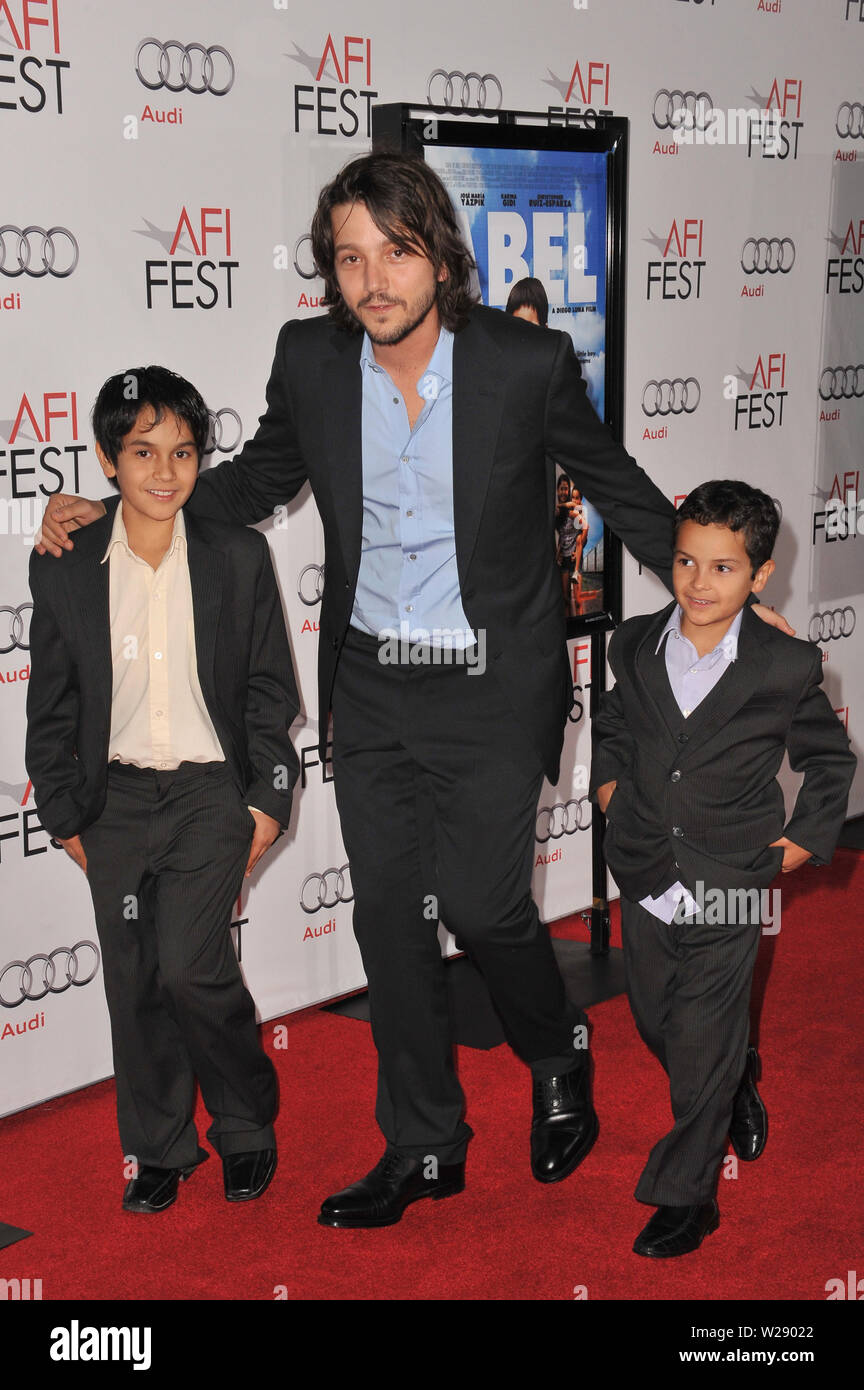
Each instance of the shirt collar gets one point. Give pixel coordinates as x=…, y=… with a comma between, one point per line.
x=727, y=647
x=439, y=370
x=119, y=536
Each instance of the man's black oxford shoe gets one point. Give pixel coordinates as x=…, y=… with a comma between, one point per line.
x=248, y=1175
x=677, y=1230
x=565, y=1124
x=154, y=1189
x=395, y=1182
x=748, y=1128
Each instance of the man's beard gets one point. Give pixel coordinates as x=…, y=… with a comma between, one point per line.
x=389, y=337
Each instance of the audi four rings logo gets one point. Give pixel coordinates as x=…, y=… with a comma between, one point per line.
x=327, y=889
x=761, y=255
x=842, y=383
x=310, y=585
x=17, y=625
x=833, y=624
x=40, y=975
x=184, y=67
x=217, y=431
x=55, y=251
x=692, y=110
x=850, y=120
x=467, y=92
x=309, y=271
x=671, y=397
x=563, y=819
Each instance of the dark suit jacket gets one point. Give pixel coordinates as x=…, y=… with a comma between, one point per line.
x=244, y=666
x=519, y=404
x=697, y=798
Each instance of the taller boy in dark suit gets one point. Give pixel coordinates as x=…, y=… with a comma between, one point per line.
x=686, y=750
x=161, y=696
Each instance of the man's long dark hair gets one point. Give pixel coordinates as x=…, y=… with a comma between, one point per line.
x=411, y=206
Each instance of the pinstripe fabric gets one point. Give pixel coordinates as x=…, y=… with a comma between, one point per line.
x=689, y=990
x=165, y=862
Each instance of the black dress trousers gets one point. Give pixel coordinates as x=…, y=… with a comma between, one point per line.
x=165, y=862
x=437, y=788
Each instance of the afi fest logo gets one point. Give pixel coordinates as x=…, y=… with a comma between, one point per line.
x=678, y=272
x=42, y=456
x=760, y=405
x=842, y=512
x=584, y=94
x=186, y=283
x=21, y=831
x=846, y=270
x=31, y=76
x=339, y=99
x=774, y=131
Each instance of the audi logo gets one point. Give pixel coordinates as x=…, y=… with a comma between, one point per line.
x=833, y=624
x=17, y=625
x=327, y=889
x=163, y=71
x=563, y=819
x=853, y=120
x=57, y=249
x=463, y=92
x=767, y=255
x=692, y=110
x=20, y=975
x=671, y=397
x=309, y=271
x=842, y=383
x=310, y=585
x=216, y=439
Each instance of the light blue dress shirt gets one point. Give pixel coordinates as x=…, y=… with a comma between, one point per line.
x=691, y=677
x=408, y=585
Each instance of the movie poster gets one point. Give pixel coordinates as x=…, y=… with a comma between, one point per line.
x=542, y=214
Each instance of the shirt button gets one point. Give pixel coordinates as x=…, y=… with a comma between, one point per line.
x=395, y=400
x=677, y=832
x=409, y=512
x=405, y=458
x=676, y=776
x=412, y=557
x=157, y=656
x=159, y=713
x=409, y=608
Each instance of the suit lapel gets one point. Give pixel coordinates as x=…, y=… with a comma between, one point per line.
x=735, y=686
x=478, y=401
x=342, y=387
x=206, y=573
x=647, y=671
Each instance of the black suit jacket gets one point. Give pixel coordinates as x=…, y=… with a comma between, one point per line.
x=244, y=666
x=697, y=797
x=519, y=405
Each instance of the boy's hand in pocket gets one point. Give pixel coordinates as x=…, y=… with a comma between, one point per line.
x=266, y=831
x=793, y=855
x=75, y=850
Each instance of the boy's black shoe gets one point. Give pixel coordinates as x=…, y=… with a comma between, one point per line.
x=248, y=1175
x=565, y=1123
x=154, y=1189
x=394, y=1183
x=677, y=1230
x=748, y=1128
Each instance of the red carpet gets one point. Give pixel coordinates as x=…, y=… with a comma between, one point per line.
x=789, y=1223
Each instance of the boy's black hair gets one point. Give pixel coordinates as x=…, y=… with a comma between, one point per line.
x=740, y=507
x=529, y=294
x=123, y=396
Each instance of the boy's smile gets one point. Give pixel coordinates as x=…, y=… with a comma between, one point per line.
x=712, y=577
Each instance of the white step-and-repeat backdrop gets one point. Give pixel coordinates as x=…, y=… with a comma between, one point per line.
x=160, y=166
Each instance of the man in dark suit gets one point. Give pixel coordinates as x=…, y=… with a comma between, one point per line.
x=159, y=705
x=687, y=746
x=429, y=428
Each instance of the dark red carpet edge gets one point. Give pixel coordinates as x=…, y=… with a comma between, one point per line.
x=789, y=1223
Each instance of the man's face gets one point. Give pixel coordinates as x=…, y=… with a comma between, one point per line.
x=711, y=574
x=389, y=290
x=157, y=466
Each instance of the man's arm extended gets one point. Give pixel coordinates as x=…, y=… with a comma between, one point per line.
x=52, y=719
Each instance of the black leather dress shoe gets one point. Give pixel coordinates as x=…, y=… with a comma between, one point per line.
x=394, y=1183
x=677, y=1230
x=565, y=1124
x=248, y=1175
x=154, y=1189
x=748, y=1128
